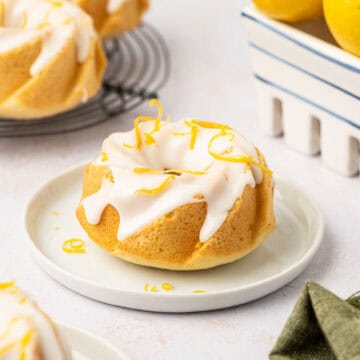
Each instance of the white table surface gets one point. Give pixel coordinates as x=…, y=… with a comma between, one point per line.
x=210, y=79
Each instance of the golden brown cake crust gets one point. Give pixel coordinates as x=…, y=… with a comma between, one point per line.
x=127, y=17
x=170, y=241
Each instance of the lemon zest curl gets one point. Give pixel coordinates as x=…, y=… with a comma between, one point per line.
x=168, y=171
x=235, y=158
x=157, y=189
x=7, y=285
x=74, y=246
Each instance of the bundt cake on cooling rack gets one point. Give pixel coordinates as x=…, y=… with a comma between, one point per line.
x=25, y=331
x=113, y=17
x=186, y=195
x=51, y=58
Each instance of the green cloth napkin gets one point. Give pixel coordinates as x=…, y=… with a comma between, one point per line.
x=321, y=327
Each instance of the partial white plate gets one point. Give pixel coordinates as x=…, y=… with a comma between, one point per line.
x=100, y=276
x=85, y=346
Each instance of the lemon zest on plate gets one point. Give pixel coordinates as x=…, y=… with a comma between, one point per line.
x=199, y=291
x=74, y=246
x=167, y=286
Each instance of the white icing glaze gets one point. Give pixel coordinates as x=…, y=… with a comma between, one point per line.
x=18, y=316
x=220, y=187
x=113, y=5
x=54, y=22
x=13, y=38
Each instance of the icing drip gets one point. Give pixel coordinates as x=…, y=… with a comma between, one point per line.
x=147, y=183
x=25, y=330
x=113, y=5
x=54, y=22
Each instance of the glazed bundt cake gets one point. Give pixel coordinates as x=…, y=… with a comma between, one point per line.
x=51, y=58
x=27, y=333
x=183, y=196
x=112, y=17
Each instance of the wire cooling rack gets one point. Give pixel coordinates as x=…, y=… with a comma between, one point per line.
x=139, y=65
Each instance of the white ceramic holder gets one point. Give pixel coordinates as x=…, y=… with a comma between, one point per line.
x=308, y=89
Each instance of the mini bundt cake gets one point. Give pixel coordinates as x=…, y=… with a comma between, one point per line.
x=51, y=58
x=25, y=331
x=113, y=17
x=183, y=196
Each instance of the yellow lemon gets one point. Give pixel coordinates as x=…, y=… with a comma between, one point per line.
x=343, y=19
x=291, y=10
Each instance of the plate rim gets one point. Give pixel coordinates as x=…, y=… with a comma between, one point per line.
x=66, y=328
x=42, y=258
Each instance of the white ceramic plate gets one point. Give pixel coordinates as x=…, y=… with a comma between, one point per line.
x=85, y=346
x=50, y=220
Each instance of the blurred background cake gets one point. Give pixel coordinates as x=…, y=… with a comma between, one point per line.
x=26, y=332
x=51, y=58
x=113, y=17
